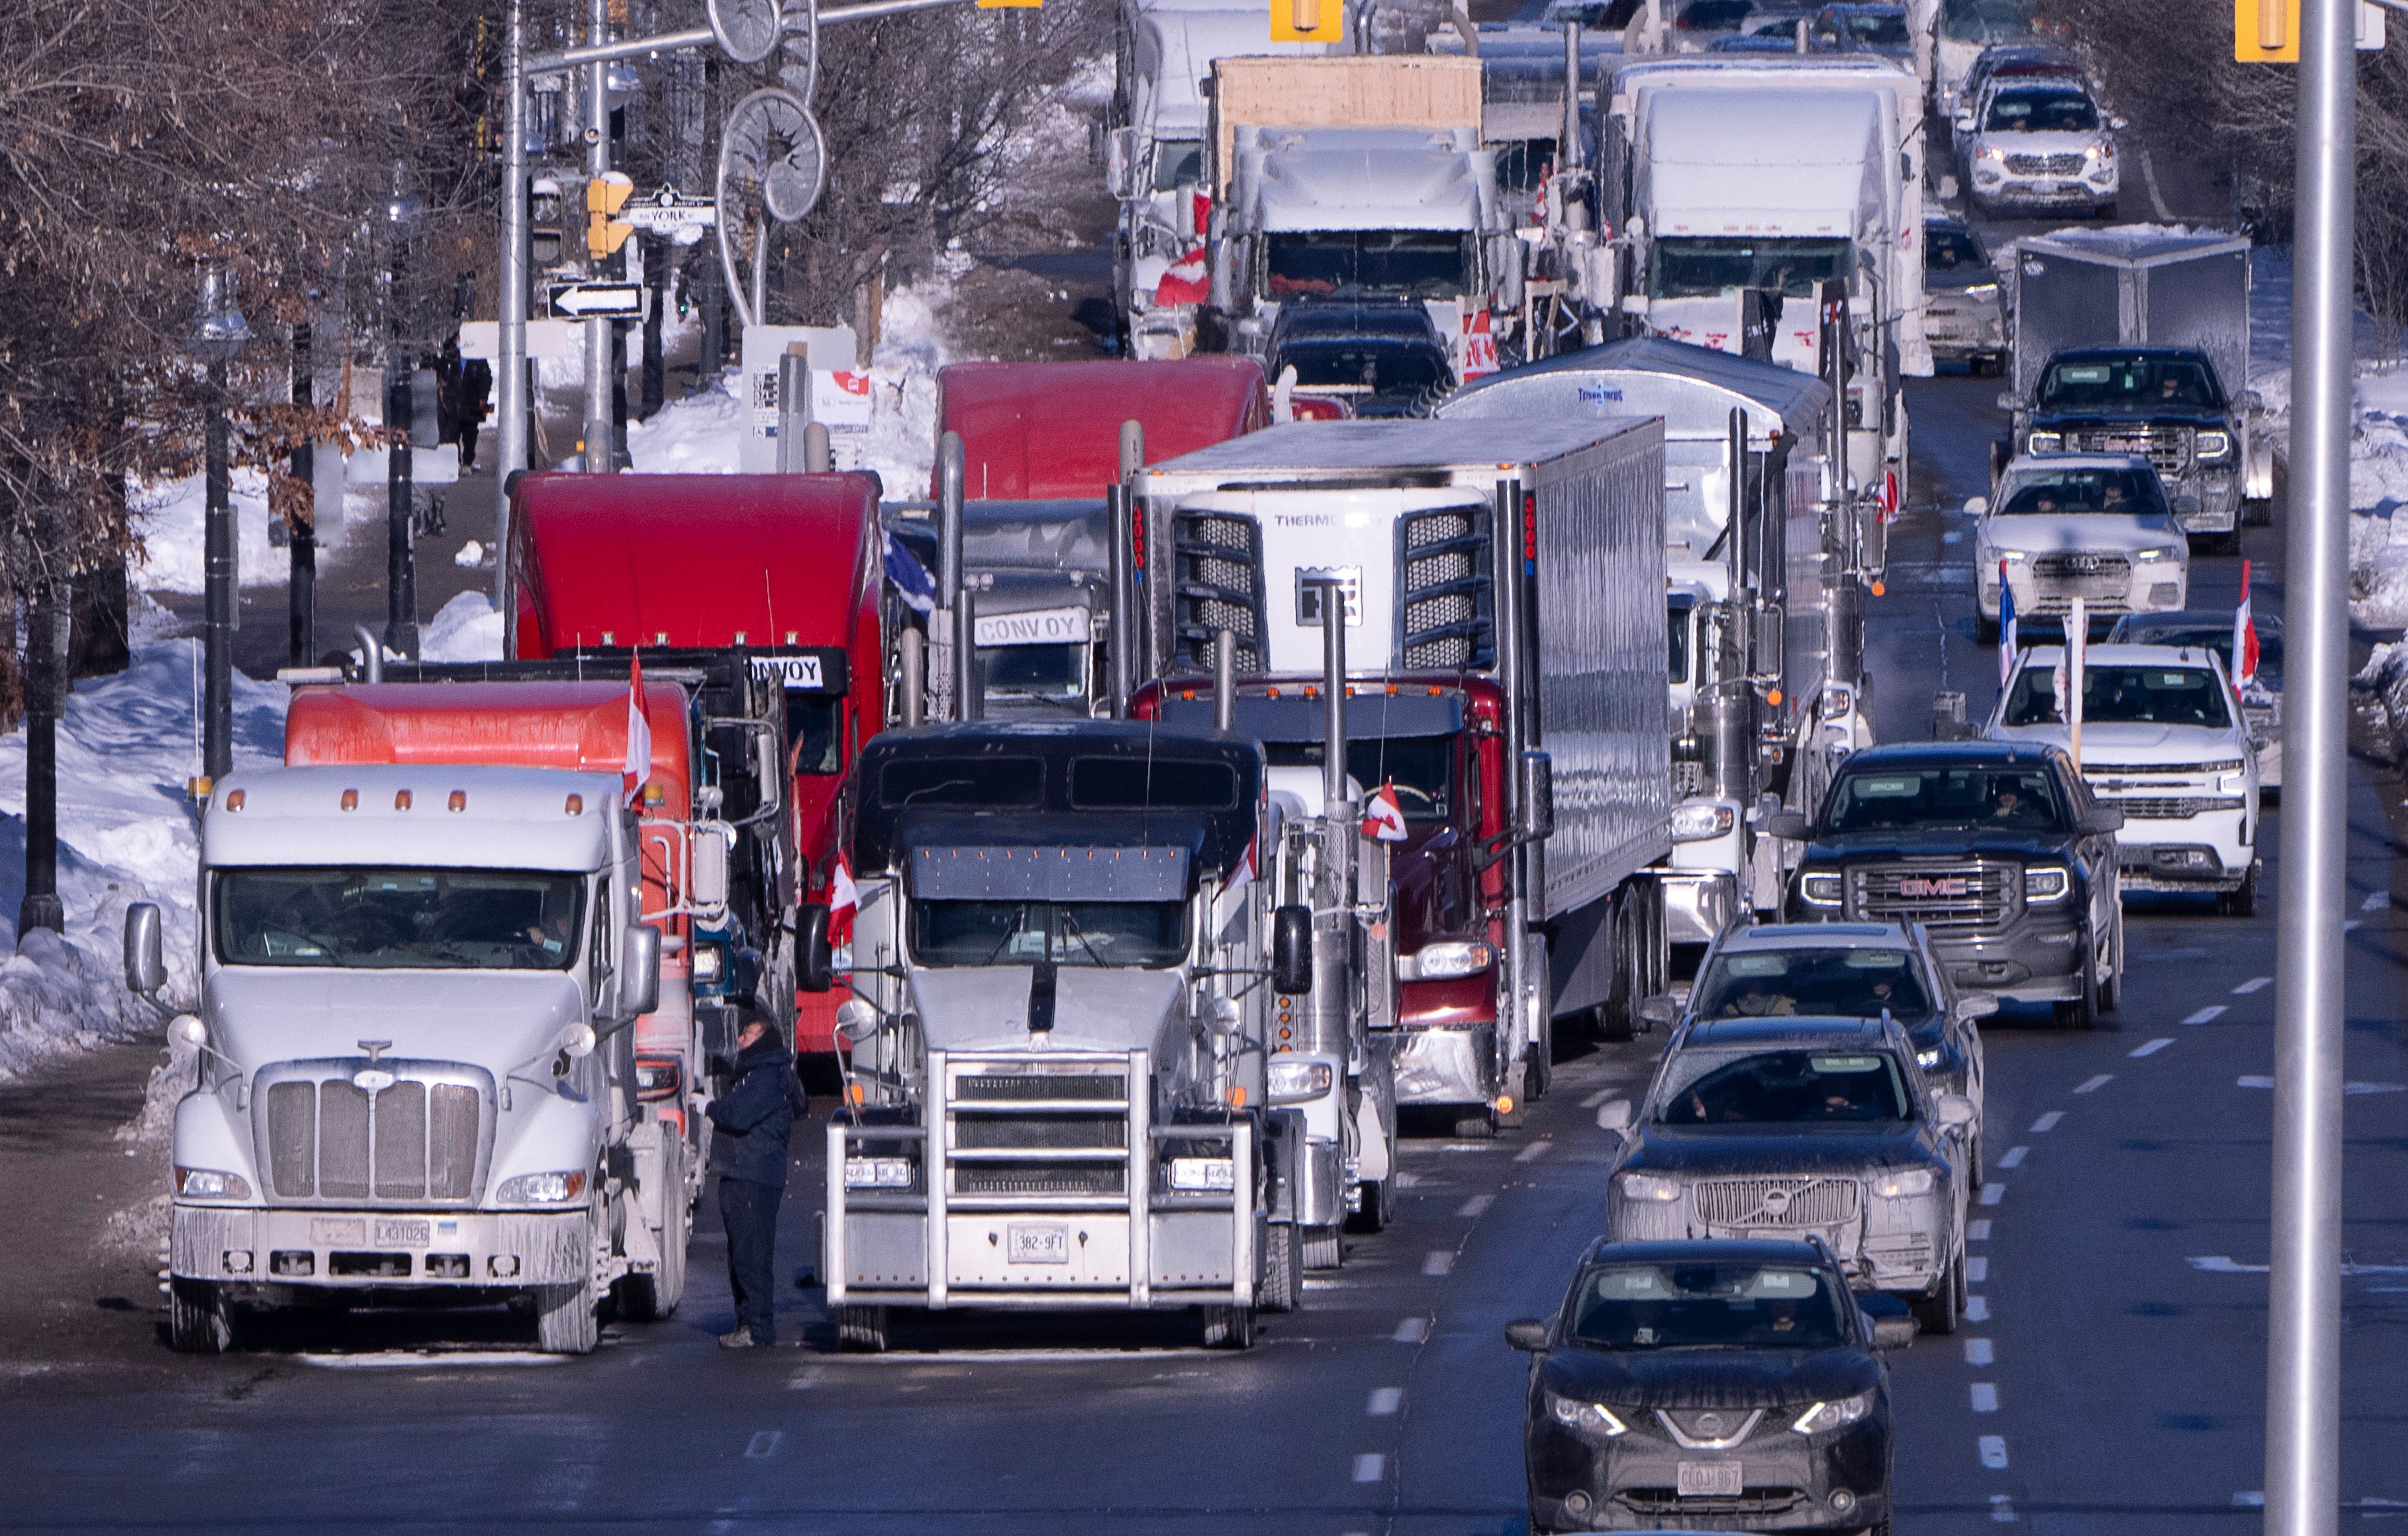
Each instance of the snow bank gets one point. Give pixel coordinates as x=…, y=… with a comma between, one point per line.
x=126, y=746
x=170, y=515
x=466, y=628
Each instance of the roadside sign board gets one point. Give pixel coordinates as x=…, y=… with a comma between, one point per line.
x=598, y=300
x=668, y=211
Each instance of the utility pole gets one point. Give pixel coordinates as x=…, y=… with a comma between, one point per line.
x=41, y=907
x=219, y=337
x=598, y=349
x=656, y=281
x=302, y=595
x=511, y=391
x=400, y=563
x=2304, y=1334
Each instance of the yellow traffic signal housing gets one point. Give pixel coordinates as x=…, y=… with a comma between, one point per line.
x=1009, y=5
x=2265, y=31
x=1308, y=20
x=604, y=197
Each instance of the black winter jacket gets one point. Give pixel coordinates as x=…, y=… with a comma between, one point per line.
x=756, y=1116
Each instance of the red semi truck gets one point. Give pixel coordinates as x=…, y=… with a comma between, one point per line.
x=750, y=580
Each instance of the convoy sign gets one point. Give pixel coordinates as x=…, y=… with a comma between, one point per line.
x=1038, y=626
x=815, y=672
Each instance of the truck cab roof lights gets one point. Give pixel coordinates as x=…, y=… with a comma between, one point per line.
x=459, y=800
x=401, y=799
x=351, y=799
x=574, y=806
x=233, y=800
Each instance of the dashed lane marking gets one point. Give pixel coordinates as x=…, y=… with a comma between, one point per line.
x=2375, y=901
x=1994, y=1451
x=1980, y=1352
x=1978, y=1231
x=1475, y=1206
x=765, y=1445
x=1441, y=1261
x=1992, y=1193
x=1407, y=1180
x=2352, y=1089
x=429, y=1359
x=2254, y=1499
x=2097, y=1082
x=1599, y=1096
x=1532, y=1153
x=2047, y=1123
x=1986, y=1397
x=2151, y=1048
x=1385, y=1400
x=2352, y=925
x=2209, y=1014
x=2219, y=1264
x=1977, y=1269
x=1977, y=1309
x=2014, y=1157
x=2255, y=984
x=804, y=1380
x=2002, y=1509
x=1371, y=1467
x=1411, y=1330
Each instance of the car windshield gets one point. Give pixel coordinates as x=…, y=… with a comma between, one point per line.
x=1384, y=367
x=1035, y=671
x=1708, y=268
x=1716, y=1305
x=1910, y=799
x=1794, y=1088
x=385, y=919
x=1877, y=28
x=1178, y=163
x=1952, y=250
x=2041, y=112
x=1849, y=983
x=1713, y=15
x=2129, y=383
x=2117, y=490
x=1418, y=264
x=1151, y=934
x=1420, y=767
x=2123, y=695
x=1986, y=21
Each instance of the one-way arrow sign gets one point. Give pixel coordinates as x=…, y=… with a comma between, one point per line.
x=598, y=300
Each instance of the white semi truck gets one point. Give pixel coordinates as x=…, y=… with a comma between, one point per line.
x=1745, y=187
x=417, y=1051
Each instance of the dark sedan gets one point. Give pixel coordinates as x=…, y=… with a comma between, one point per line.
x=1707, y=1386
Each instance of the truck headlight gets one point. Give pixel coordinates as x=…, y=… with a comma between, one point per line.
x=209, y=1184
x=1836, y=1414
x=1702, y=818
x=1902, y=1182
x=878, y=1173
x=543, y=1189
x=1819, y=888
x=1982, y=290
x=2044, y=442
x=1596, y=1417
x=1650, y=1187
x=1436, y=962
x=1197, y=1175
x=710, y=962
x=2047, y=882
x=1291, y=1080
x=1929, y=1060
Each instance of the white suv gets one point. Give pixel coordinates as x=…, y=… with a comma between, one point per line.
x=2088, y=525
x=2039, y=144
x=2163, y=740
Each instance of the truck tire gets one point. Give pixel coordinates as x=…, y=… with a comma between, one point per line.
x=1228, y=1327
x=1937, y=1313
x=2241, y=903
x=200, y=1318
x=1378, y=1207
x=1480, y=1127
x=654, y=1298
x=568, y=1319
x=1284, y=1268
x=2257, y=513
x=861, y=1330
x=1322, y=1247
x=2082, y=1013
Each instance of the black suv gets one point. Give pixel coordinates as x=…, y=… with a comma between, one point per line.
x=1997, y=849
x=2164, y=403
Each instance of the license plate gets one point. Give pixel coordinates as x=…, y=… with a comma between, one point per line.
x=337, y=1231
x=391, y=1233
x=1039, y=1243
x=1710, y=1480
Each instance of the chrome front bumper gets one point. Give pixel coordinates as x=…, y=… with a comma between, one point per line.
x=359, y=1249
x=1448, y=1064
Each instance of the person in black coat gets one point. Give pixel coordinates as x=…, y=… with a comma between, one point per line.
x=755, y=1118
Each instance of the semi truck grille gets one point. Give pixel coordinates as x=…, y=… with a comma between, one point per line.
x=2167, y=448
x=2044, y=165
x=1020, y=1089
x=1218, y=584
x=1953, y=897
x=1053, y=1129
x=1442, y=584
x=1040, y=1178
x=1775, y=1203
x=414, y=1140
x=996, y=1132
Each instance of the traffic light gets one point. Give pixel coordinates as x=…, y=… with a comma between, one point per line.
x=2265, y=31
x=1308, y=20
x=1009, y=5
x=604, y=197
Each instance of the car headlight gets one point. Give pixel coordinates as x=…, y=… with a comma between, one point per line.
x=1836, y=1414
x=1701, y=819
x=1819, y=889
x=1293, y=1080
x=209, y=1184
x=543, y=1189
x=2213, y=446
x=1650, y=1187
x=710, y=962
x=2047, y=882
x=1992, y=154
x=1596, y=1417
x=2044, y=442
x=1438, y=962
x=2163, y=552
x=1929, y=1060
x=1191, y=1175
x=878, y=1173
x=2014, y=557
x=1902, y=1182
x=2099, y=154
x=1982, y=290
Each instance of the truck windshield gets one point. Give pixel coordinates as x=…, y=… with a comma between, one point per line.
x=1035, y=671
x=1710, y=269
x=1372, y=262
x=1420, y=767
x=812, y=729
x=383, y=919
x=1151, y=934
x=1952, y=250
x=1793, y=1087
x=1397, y=367
x=1986, y=21
x=2130, y=384
x=1849, y=983
x=1677, y=1306
x=1912, y=799
x=2124, y=695
x=2041, y=112
x=1178, y=163
x=2076, y=490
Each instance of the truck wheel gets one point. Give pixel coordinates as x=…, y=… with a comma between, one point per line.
x=2111, y=991
x=2242, y=902
x=1476, y=1128
x=861, y=1330
x=1322, y=1248
x=1228, y=1327
x=1283, y=1269
x=652, y=1297
x=566, y=1318
x=2082, y=1012
x=200, y=1318
x=1378, y=1207
x=2257, y=513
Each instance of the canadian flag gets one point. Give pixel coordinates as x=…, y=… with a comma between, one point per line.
x=1478, y=348
x=1383, y=818
x=640, y=735
x=2245, y=636
x=844, y=902
x=1227, y=905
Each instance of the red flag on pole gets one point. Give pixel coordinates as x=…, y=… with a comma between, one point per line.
x=640, y=735
x=2245, y=636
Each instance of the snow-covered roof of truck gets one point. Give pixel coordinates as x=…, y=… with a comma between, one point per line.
x=1693, y=388
x=2135, y=245
x=1303, y=451
x=421, y=816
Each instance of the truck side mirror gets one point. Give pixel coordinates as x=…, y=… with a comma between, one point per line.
x=1789, y=825
x=707, y=881
x=1977, y=506
x=146, y=961
x=1976, y=1005
x=1616, y=1115
x=1537, y=809
x=1661, y=1008
x=2007, y=401
x=2102, y=818
x=1292, y=950
x=1120, y=162
x=815, y=962
x=639, y=970
x=1528, y=1334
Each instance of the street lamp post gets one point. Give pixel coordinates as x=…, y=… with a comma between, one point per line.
x=219, y=333
x=402, y=212
x=301, y=605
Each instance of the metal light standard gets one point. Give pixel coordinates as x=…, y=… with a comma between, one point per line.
x=402, y=212
x=219, y=335
x=301, y=596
